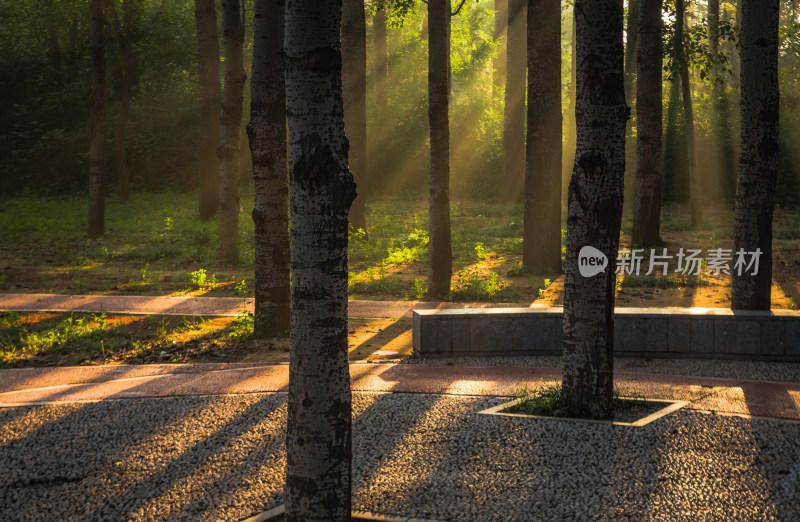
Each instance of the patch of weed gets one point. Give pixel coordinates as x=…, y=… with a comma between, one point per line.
x=551, y=401
x=469, y=286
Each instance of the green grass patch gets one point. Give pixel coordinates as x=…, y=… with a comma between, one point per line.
x=673, y=281
x=470, y=286
x=551, y=401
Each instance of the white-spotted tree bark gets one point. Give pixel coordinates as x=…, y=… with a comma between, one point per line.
x=647, y=192
x=595, y=206
x=542, y=221
x=97, y=136
x=440, y=258
x=230, y=131
x=267, y=132
x=513, y=178
x=318, y=434
x=758, y=157
x=354, y=90
x=210, y=105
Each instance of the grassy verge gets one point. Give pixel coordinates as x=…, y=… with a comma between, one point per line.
x=46, y=339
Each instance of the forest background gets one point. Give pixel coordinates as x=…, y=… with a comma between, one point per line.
x=156, y=244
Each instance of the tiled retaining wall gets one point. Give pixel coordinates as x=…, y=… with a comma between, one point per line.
x=638, y=332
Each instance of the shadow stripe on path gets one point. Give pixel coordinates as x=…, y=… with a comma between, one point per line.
x=762, y=399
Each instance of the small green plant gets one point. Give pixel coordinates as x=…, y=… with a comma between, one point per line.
x=546, y=283
x=517, y=270
x=240, y=288
x=201, y=281
x=480, y=250
x=420, y=288
x=241, y=328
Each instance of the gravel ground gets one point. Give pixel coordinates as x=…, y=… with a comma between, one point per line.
x=751, y=370
x=222, y=458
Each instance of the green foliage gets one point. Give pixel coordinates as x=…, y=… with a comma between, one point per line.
x=551, y=401
x=391, y=285
x=672, y=281
x=241, y=328
x=695, y=45
x=201, y=281
x=469, y=286
x=45, y=82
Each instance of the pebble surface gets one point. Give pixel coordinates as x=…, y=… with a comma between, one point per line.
x=430, y=456
x=724, y=369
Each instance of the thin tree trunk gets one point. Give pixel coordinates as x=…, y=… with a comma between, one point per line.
x=736, y=72
x=758, y=159
x=570, y=131
x=354, y=90
x=267, y=132
x=380, y=59
x=542, y=222
x=128, y=35
x=513, y=179
x=647, y=200
x=229, y=132
x=595, y=206
x=98, y=125
x=210, y=106
x=695, y=198
x=440, y=262
x=318, y=434
x=632, y=36
x=499, y=61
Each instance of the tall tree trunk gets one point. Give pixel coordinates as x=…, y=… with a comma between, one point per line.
x=721, y=154
x=97, y=206
x=229, y=132
x=128, y=29
x=499, y=61
x=542, y=222
x=695, y=198
x=380, y=62
x=569, y=131
x=210, y=105
x=513, y=180
x=736, y=72
x=632, y=37
x=267, y=132
x=647, y=200
x=354, y=90
x=595, y=206
x=318, y=434
x=440, y=261
x=758, y=159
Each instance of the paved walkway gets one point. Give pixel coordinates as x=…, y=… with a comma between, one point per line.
x=164, y=305
x=93, y=383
